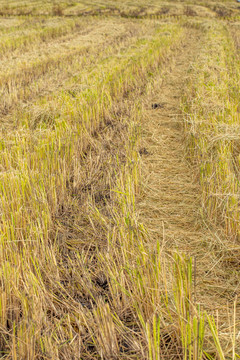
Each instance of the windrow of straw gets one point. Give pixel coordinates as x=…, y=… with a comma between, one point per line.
x=212, y=126
x=47, y=68
x=128, y=9
x=76, y=278
x=38, y=32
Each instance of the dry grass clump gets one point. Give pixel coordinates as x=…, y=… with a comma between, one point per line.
x=234, y=29
x=57, y=10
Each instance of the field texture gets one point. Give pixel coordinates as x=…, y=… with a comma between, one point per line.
x=119, y=180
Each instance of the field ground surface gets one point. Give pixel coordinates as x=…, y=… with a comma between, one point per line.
x=119, y=180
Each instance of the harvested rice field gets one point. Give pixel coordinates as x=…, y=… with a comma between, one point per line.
x=119, y=180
